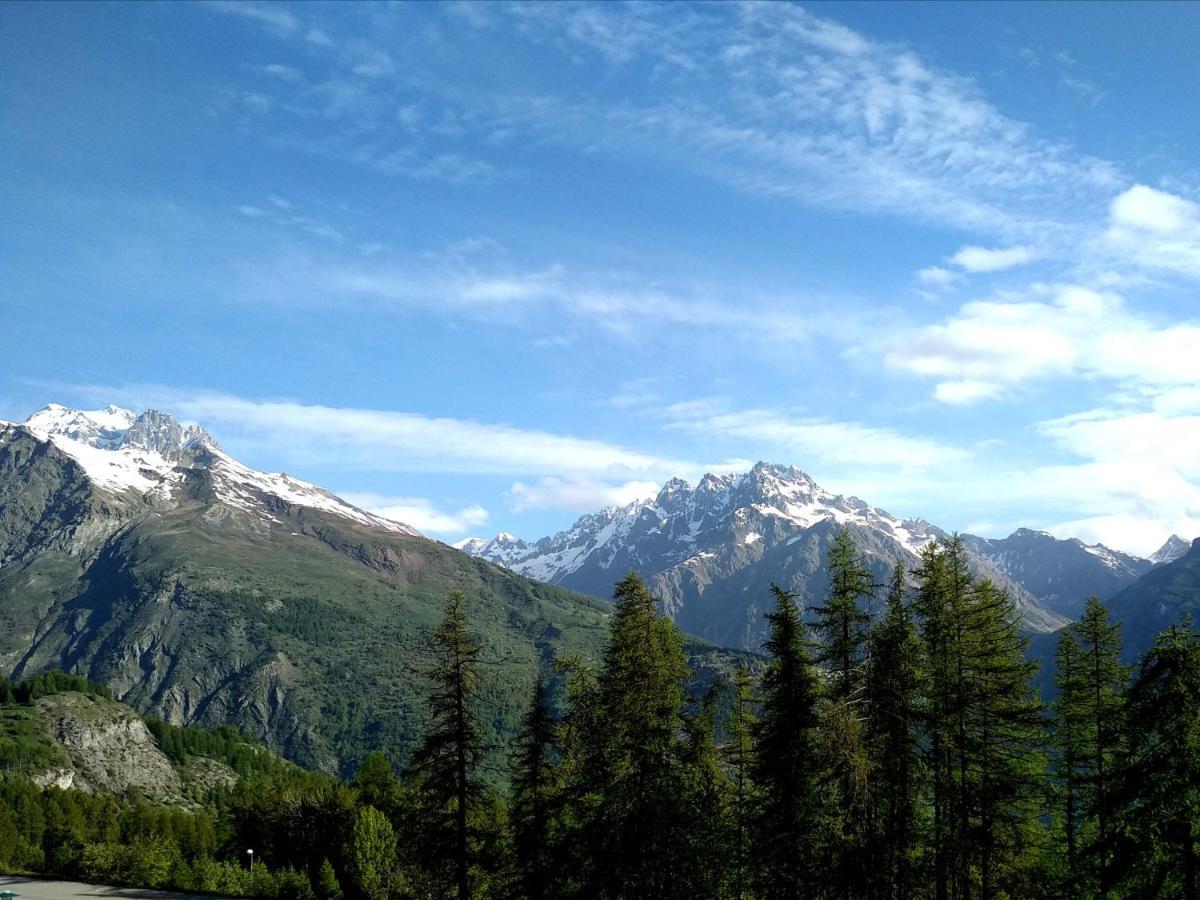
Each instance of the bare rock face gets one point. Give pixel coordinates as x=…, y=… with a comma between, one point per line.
x=111, y=749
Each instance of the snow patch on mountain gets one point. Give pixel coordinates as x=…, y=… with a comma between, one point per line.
x=670, y=528
x=1173, y=549
x=147, y=454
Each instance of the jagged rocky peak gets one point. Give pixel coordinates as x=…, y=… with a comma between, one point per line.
x=158, y=431
x=116, y=428
x=1173, y=549
x=101, y=428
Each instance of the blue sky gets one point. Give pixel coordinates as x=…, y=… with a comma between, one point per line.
x=491, y=266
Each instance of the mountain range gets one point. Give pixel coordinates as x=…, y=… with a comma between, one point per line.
x=137, y=552
x=710, y=552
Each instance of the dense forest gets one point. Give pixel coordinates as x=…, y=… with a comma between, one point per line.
x=901, y=755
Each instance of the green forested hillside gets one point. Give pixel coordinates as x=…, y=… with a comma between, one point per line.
x=304, y=629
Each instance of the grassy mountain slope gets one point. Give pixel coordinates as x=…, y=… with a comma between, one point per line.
x=300, y=627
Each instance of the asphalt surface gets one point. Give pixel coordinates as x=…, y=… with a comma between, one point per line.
x=37, y=889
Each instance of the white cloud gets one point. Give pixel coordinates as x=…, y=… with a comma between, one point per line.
x=991, y=347
x=1156, y=229
x=494, y=290
x=935, y=276
x=579, y=495
x=419, y=512
x=283, y=73
x=982, y=259
x=397, y=441
x=812, y=440
x=1141, y=479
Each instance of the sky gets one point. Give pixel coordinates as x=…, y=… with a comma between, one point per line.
x=490, y=266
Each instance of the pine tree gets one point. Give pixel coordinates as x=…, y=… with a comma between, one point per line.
x=1088, y=714
x=1157, y=804
x=739, y=757
x=932, y=604
x=842, y=623
x=446, y=760
x=785, y=760
x=893, y=687
x=704, y=834
x=1000, y=754
x=639, y=696
x=1069, y=724
x=984, y=730
x=536, y=794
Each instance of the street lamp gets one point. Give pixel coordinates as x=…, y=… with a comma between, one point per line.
x=250, y=853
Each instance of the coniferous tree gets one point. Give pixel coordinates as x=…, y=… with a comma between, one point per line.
x=842, y=626
x=1070, y=746
x=785, y=760
x=703, y=846
x=1000, y=754
x=1088, y=722
x=446, y=760
x=932, y=605
x=639, y=699
x=843, y=621
x=984, y=730
x=893, y=685
x=1157, y=808
x=536, y=794
x=739, y=757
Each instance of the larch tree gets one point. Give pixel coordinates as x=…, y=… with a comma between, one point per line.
x=893, y=701
x=446, y=761
x=786, y=767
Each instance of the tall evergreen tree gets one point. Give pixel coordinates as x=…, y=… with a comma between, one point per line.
x=1158, y=802
x=893, y=686
x=639, y=697
x=984, y=730
x=785, y=760
x=1088, y=726
x=842, y=629
x=536, y=794
x=843, y=622
x=999, y=750
x=704, y=845
x=446, y=761
x=1069, y=725
x=739, y=757
x=932, y=604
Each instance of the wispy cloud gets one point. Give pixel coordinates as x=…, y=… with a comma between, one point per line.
x=814, y=440
x=271, y=15
x=984, y=259
x=419, y=512
x=383, y=440
x=577, y=495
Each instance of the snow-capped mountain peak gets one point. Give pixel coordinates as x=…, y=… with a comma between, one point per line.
x=148, y=454
x=687, y=538
x=1170, y=551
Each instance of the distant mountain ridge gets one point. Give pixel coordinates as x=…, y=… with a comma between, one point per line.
x=1060, y=573
x=710, y=552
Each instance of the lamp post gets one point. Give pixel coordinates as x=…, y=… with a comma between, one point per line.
x=250, y=853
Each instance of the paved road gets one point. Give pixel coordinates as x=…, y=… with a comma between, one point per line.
x=37, y=889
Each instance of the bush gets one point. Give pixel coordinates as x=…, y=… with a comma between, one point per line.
x=104, y=862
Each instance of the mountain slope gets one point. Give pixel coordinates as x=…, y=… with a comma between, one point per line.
x=1061, y=574
x=711, y=552
x=1159, y=599
x=138, y=553
x=1170, y=551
